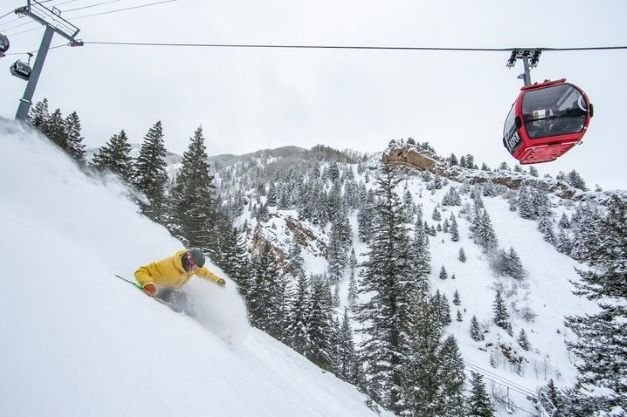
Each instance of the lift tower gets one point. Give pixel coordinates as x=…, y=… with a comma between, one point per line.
x=52, y=20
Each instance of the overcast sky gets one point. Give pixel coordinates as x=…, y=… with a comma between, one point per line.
x=250, y=99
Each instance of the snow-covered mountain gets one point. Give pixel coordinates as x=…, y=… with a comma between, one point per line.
x=77, y=341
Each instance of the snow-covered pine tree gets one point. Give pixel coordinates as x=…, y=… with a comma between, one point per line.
x=422, y=384
x=193, y=214
x=462, y=255
x=450, y=375
x=456, y=299
x=150, y=176
x=234, y=258
x=454, y=229
x=478, y=403
x=575, y=180
x=545, y=226
x=390, y=278
x=514, y=267
x=75, y=146
x=437, y=216
x=297, y=332
x=55, y=130
x=420, y=248
x=484, y=232
x=501, y=315
x=115, y=157
x=320, y=330
x=38, y=116
x=555, y=396
x=347, y=361
x=523, y=340
x=295, y=258
x=600, y=346
x=352, y=291
x=443, y=273
x=475, y=331
x=267, y=298
x=533, y=171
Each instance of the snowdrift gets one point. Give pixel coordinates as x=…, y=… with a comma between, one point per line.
x=76, y=341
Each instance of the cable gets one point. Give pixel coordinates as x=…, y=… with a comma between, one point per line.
x=512, y=384
x=7, y=14
x=354, y=47
x=124, y=9
x=93, y=5
x=32, y=52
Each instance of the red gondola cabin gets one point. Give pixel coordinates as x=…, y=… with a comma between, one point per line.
x=546, y=120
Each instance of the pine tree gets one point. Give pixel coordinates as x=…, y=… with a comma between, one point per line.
x=422, y=382
x=352, y=290
x=75, y=146
x=546, y=228
x=320, y=329
x=501, y=316
x=443, y=273
x=268, y=294
x=555, y=396
x=459, y=316
x=601, y=336
x=475, y=331
x=454, y=230
x=150, y=173
x=456, y=299
x=575, y=180
x=450, y=402
x=478, y=404
x=38, y=116
x=437, y=216
x=390, y=278
x=484, y=232
x=347, y=360
x=55, y=130
x=193, y=210
x=295, y=258
x=462, y=255
x=523, y=341
x=297, y=332
x=514, y=267
x=115, y=157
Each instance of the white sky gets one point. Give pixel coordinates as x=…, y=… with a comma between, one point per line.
x=252, y=99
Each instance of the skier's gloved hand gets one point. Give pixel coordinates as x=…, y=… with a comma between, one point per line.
x=150, y=289
x=221, y=282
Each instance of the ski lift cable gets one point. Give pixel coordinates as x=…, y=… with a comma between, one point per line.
x=509, y=383
x=354, y=47
x=123, y=9
x=505, y=380
x=34, y=51
x=84, y=16
x=505, y=385
x=91, y=5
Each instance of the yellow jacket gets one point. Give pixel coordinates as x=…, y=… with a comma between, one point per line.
x=169, y=272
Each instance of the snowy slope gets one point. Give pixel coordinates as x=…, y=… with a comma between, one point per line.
x=76, y=341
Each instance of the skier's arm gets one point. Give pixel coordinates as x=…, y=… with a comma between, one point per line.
x=142, y=275
x=208, y=275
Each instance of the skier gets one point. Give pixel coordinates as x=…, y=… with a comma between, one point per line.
x=163, y=278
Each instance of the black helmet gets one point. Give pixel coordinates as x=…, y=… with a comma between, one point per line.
x=197, y=256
